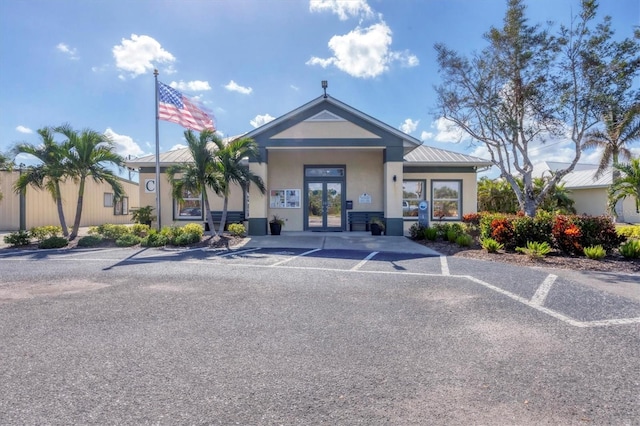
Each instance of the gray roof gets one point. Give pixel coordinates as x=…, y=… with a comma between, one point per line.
x=583, y=179
x=428, y=155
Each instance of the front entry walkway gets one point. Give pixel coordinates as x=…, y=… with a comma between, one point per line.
x=339, y=240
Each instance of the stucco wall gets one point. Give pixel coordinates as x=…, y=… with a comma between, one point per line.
x=364, y=174
x=236, y=202
x=469, y=191
x=593, y=202
x=10, y=203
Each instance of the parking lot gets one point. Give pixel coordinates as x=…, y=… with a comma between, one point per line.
x=308, y=336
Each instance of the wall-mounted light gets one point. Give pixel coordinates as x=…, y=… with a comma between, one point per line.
x=395, y=178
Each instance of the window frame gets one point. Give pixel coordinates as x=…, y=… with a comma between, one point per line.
x=107, y=199
x=121, y=207
x=424, y=197
x=434, y=182
x=177, y=208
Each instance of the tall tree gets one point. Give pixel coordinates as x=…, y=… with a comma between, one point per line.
x=628, y=185
x=199, y=175
x=90, y=155
x=51, y=171
x=621, y=128
x=232, y=170
x=528, y=85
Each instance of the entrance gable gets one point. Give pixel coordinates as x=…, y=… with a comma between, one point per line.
x=327, y=125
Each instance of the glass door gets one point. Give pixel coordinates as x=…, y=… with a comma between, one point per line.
x=324, y=206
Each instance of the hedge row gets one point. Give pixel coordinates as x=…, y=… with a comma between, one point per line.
x=567, y=233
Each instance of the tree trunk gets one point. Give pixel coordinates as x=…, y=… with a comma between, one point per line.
x=223, y=219
x=207, y=209
x=63, y=222
x=76, y=222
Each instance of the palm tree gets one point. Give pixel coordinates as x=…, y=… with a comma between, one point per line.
x=621, y=127
x=89, y=154
x=197, y=176
x=49, y=173
x=229, y=163
x=627, y=185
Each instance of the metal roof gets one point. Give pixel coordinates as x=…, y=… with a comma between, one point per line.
x=428, y=155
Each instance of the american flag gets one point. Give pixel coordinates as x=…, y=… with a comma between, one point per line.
x=175, y=107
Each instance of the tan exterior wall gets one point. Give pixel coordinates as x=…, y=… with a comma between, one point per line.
x=10, y=203
x=594, y=202
x=364, y=174
x=168, y=217
x=469, y=191
x=41, y=210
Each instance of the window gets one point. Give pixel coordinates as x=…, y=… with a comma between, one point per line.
x=108, y=199
x=446, y=200
x=121, y=207
x=412, y=194
x=190, y=207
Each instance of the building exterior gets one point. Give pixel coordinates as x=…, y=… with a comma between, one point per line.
x=588, y=193
x=37, y=207
x=330, y=167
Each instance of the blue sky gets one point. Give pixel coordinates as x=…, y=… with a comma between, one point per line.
x=90, y=63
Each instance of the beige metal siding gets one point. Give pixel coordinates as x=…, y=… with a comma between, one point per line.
x=10, y=203
x=41, y=210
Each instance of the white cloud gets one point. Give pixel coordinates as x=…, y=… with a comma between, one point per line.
x=23, y=129
x=261, y=120
x=425, y=135
x=296, y=88
x=125, y=145
x=72, y=53
x=138, y=55
x=409, y=126
x=364, y=52
x=448, y=131
x=343, y=8
x=177, y=146
x=235, y=87
x=193, y=86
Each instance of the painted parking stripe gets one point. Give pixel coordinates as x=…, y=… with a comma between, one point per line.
x=235, y=252
x=294, y=257
x=364, y=261
x=444, y=265
x=542, y=291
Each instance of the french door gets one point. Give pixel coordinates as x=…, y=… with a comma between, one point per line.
x=324, y=205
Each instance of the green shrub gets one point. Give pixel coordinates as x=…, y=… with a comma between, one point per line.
x=41, y=233
x=140, y=230
x=452, y=235
x=595, y=252
x=598, y=230
x=113, y=232
x=193, y=228
x=128, y=240
x=237, y=230
x=18, y=238
x=186, y=238
x=53, y=243
x=430, y=234
x=532, y=229
x=630, y=249
x=416, y=231
x=485, y=223
x=90, y=241
x=535, y=249
x=154, y=239
x=464, y=240
x=629, y=231
x=491, y=245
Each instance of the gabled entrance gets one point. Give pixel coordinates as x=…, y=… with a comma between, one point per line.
x=324, y=198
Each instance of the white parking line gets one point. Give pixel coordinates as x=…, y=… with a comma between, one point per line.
x=444, y=266
x=365, y=260
x=542, y=291
x=294, y=257
x=235, y=252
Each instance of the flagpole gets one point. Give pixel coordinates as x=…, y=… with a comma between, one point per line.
x=158, y=215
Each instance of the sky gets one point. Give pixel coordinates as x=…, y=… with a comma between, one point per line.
x=90, y=63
